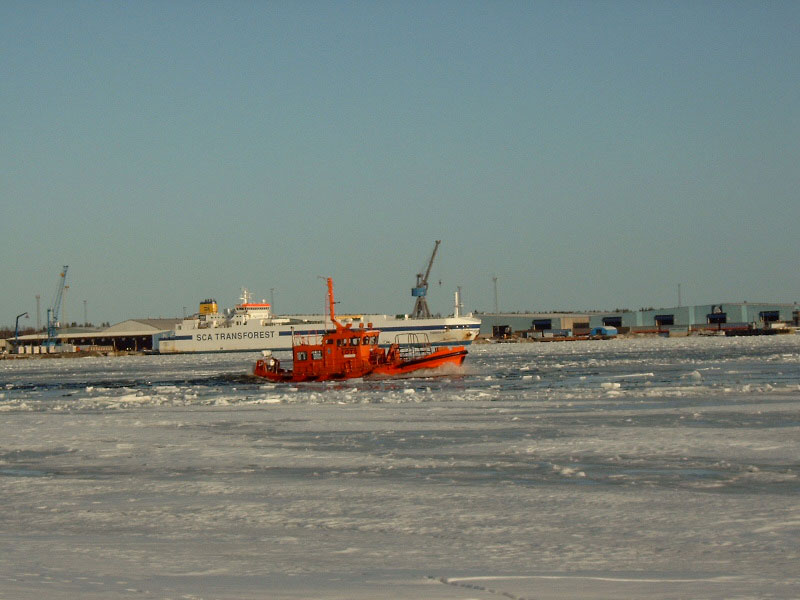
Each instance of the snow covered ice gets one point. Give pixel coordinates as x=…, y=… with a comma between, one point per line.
x=658, y=468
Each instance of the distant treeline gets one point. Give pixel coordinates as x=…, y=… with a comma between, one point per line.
x=8, y=332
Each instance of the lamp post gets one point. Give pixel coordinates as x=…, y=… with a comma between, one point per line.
x=16, y=328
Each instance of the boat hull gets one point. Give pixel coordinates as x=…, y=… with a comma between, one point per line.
x=437, y=359
x=392, y=367
x=282, y=376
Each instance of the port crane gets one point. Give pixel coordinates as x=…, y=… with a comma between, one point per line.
x=421, y=289
x=52, y=313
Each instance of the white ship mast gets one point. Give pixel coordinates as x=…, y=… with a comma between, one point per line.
x=457, y=306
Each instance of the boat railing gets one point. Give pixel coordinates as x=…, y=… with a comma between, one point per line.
x=307, y=338
x=413, y=345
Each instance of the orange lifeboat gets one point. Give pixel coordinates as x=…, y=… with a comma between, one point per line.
x=348, y=353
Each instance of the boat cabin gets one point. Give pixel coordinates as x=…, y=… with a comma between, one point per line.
x=341, y=354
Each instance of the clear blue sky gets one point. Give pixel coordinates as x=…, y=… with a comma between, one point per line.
x=590, y=154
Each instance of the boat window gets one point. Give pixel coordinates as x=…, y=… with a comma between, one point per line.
x=329, y=341
x=316, y=354
x=302, y=356
x=354, y=342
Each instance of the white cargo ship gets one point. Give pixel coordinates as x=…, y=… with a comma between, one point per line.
x=251, y=326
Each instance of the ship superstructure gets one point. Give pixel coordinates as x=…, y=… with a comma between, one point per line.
x=251, y=326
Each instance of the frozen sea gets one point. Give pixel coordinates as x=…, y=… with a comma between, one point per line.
x=647, y=468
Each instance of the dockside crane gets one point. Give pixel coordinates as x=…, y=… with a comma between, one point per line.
x=52, y=313
x=421, y=289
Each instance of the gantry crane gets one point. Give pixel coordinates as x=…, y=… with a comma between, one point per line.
x=419, y=292
x=52, y=313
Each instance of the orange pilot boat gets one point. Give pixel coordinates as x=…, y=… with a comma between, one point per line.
x=347, y=353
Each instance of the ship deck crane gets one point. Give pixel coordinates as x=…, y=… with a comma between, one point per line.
x=52, y=313
x=421, y=310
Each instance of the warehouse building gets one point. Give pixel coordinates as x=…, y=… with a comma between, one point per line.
x=500, y=325
x=729, y=316
x=131, y=335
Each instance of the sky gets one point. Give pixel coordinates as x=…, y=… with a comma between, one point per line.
x=590, y=155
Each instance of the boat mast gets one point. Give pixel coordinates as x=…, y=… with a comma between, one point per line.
x=421, y=305
x=331, y=303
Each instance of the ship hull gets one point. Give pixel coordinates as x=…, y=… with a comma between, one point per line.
x=253, y=336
